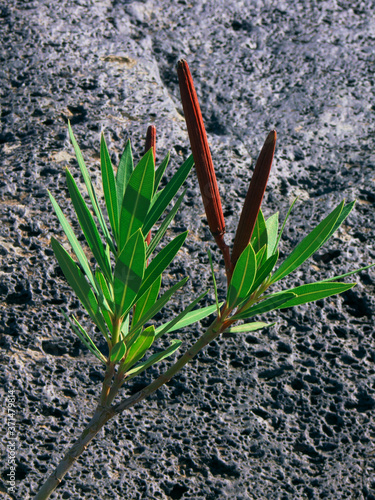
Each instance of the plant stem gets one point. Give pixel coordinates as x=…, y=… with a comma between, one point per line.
x=212, y=332
x=103, y=414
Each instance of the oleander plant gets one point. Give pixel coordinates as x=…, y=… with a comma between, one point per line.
x=121, y=293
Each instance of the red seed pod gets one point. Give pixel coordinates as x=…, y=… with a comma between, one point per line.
x=254, y=197
x=151, y=140
x=150, y=143
x=201, y=151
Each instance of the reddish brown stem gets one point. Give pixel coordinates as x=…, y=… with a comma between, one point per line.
x=254, y=197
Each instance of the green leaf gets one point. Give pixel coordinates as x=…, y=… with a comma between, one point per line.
x=269, y=304
x=138, y=348
x=259, y=237
x=109, y=187
x=160, y=171
x=152, y=360
x=118, y=351
x=82, y=259
x=125, y=327
x=248, y=327
x=88, y=226
x=348, y=274
x=284, y=223
x=264, y=271
x=315, y=291
x=243, y=277
x=107, y=292
x=124, y=172
x=260, y=255
x=272, y=225
x=309, y=245
x=164, y=226
x=90, y=188
x=150, y=313
x=137, y=198
x=77, y=281
x=129, y=272
x=188, y=319
x=146, y=300
x=345, y=212
x=214, y=282
x=161, y=261
x=85, y=338
x=167, y=194
x=179, y=319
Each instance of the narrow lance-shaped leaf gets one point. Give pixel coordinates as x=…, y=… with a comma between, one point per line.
x=139, y=348
x=160, y=171
x=264, y=271
x=167, y=194
x=267, y=305
x=161, y=261
x=284, y=223
x=82, y=259
x=129, y=272
x=85, y=338
x=137, y=198
x=164, y=226
x=315, y=291
x=109, y=187
x=248, y=327
x=90, y=188
x=124, y=171
x=152, y=360
x=260, y=255
x=243, y=277
x=146, y=300
x=178, y=319
x=259, y=237
x=79, y=284
x=214, y=282
x=150, y=313
x=118, y=351
x=345, y=212
x=272, y=225
x=254, y=197
x=107, y=292
x=188, y=319
x=310, y=244
x=88, y=226
x=348, y=274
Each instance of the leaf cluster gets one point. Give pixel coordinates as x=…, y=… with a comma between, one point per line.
x=121, y=294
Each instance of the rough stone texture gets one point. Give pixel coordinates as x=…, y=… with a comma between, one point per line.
x=283, y=414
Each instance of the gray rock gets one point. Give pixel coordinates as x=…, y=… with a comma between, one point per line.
x=284, y=414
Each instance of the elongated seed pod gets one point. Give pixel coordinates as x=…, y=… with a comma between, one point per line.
x=201, y=151
x=150, y=143
x=254, y=197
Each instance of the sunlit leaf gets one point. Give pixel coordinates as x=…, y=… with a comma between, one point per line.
x=109, y=186
x=137, y=198
x=242, y=278
x=152, y=360
x=129, y=272
x=88, y=226
x=268, y=304
x=309, y=245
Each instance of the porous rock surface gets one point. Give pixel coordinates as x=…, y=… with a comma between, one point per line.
x=287, y=413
